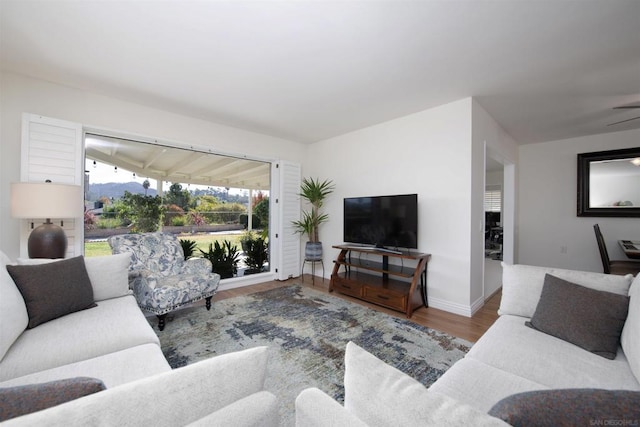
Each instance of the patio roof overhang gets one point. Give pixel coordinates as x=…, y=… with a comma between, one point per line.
x=172, y=164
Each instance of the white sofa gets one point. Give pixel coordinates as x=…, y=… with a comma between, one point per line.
x=114, y=343
x=509, y=359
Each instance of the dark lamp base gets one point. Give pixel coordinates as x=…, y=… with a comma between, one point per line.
x=47, y=241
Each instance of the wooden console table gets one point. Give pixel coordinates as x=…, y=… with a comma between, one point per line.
x=371, y=280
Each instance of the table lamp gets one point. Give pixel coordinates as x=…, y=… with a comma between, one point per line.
x=46, y=200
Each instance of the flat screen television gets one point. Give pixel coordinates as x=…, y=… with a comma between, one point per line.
x=382, y=221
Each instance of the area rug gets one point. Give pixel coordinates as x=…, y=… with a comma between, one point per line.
x=306, y=332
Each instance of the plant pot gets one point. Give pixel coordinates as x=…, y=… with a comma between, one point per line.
x=313, y=251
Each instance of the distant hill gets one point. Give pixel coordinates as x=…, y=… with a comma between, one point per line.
x=116, y=190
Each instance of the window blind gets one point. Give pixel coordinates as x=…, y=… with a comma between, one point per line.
x=493, y=200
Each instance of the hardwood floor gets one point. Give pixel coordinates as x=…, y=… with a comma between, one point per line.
x=460, y=326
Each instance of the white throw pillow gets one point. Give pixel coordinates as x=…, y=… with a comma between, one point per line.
x=109, y=274
x=381, y=395
x=522, y=285
x=13, y=311
x=630, y=338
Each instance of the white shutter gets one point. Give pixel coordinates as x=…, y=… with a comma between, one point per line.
x=287, y=176
x=52, y=149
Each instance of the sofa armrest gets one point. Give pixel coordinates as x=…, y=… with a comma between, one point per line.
x=315, y=408
x=177, y=397
x=197, y=266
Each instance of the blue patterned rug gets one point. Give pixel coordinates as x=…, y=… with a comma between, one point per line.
x=307, y=332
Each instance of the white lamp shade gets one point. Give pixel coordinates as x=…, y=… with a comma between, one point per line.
x=45, y=200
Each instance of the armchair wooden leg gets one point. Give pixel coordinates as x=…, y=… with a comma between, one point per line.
x=207, y=302
x=161, y=320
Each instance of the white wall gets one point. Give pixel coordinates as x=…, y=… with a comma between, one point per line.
x=494, y=178
x=428, y=153
x=547, y=206
x=23, y=94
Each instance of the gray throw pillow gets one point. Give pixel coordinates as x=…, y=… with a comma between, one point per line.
x=53, y=290
x=25, y=399
x=585, y=317
x=570, y=407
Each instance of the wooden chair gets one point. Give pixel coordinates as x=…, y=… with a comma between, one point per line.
x=621, y=267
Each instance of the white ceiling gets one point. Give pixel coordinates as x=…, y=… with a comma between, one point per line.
x=311, y=70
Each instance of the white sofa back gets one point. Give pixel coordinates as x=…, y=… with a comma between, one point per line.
x=109, y=279
x=13, y=311
x=522, y=285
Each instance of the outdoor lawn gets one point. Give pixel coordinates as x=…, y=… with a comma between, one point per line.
x=98, y=248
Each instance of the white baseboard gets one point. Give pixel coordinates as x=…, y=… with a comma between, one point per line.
x=239, y=282
x=456, y=308
x=451, y=307
x=477, y=305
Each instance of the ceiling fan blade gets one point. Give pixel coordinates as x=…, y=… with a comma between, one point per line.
x=624, y=107
x=623, y=121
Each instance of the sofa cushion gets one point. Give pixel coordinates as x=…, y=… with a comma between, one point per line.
x=113, y=369
x=21, y=400
x=480, y=385
x=381, y=395
x=570, y=407
x=109, y=274
x=522, y=285
x=113, y=325
x=13, y=311
x=53, y=290
x=585, y=317
x=511, y=346
x=630, y=339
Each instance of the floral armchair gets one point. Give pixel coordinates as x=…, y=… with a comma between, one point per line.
x=161, y=279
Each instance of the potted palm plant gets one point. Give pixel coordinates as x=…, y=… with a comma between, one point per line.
x=314, y=192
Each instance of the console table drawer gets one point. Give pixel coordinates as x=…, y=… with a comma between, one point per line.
x=383, y=297
x=347, y=287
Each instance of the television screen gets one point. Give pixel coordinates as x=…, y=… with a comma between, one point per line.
x=382, y=221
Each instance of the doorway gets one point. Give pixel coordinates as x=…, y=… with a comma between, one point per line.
x=500, y=173
x=493, y=226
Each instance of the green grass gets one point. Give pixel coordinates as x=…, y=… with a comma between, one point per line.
x=96, y=249
x=202, y=240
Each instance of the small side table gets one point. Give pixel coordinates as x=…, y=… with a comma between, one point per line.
x=313, y=269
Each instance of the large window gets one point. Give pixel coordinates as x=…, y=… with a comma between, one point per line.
x=217, y=205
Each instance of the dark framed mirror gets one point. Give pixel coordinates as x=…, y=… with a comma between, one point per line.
x=609, y=183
